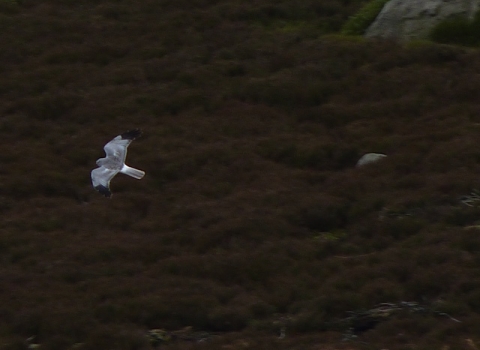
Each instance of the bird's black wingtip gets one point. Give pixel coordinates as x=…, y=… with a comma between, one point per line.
x=104, y=190
x=131, y=134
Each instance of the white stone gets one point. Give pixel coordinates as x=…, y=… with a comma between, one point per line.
x=370, y=158
x=414, y=19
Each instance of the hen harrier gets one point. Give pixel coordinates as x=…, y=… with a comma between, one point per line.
x=114, y=162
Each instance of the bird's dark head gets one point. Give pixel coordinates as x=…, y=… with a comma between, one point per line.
x=131, y=134
x=104, y=190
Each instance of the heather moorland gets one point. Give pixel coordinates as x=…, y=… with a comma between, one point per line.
x=253, y=228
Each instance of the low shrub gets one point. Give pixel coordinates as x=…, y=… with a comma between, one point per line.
x=321, y=157
x=288, y=94
x=49, y=106
x=457, y=31
x=228, y=319
x=9, y=6
x=401, y=228
x=462, y=216
x=118, y=338
x=358, y=23
x=323, y=215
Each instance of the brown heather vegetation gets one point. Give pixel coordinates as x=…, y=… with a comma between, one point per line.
x=252, y=216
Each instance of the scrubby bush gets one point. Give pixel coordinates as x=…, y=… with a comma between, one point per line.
x=9, y=6
x=49, y=106
x=457, y=31
x=322, y=217
x=321, y=157
x=116, y=338
x=358, y=23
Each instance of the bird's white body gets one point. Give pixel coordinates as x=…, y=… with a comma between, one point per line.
x=114, y=162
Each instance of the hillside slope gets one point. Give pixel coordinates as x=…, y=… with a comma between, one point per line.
x=252, y=217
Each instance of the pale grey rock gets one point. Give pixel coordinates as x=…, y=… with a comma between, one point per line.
x=414, y=19
x=370, y=158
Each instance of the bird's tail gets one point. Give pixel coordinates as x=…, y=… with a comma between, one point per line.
x=137, y=174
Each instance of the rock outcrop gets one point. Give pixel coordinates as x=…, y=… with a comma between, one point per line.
x=414, y=19
x=370, y=158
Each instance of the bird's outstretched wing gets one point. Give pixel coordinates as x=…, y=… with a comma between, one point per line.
x=114, y=162
x=117, y=148
x=101, y=180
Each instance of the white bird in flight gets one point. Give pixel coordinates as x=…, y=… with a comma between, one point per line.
x=114, y=162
